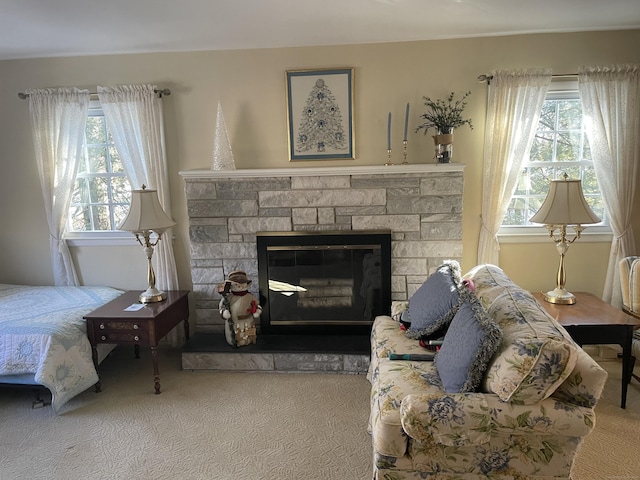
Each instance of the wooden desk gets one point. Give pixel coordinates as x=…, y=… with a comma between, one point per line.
x=590, y=321
x=112, y=324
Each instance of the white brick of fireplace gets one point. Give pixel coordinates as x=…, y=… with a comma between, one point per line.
x=420, y=204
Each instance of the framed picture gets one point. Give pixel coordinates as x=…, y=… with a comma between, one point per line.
x=320, y=114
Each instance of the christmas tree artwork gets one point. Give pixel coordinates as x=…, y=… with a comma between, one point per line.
x=321, y=124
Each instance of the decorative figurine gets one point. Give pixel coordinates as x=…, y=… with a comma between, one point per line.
x=239, y=309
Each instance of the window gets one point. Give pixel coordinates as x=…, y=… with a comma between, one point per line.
x=102, y=192
x=560, y=146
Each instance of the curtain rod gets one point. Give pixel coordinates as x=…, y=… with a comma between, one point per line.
x=487, y=78
x=160, y=92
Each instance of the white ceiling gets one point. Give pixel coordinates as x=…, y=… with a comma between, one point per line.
x=50, y=28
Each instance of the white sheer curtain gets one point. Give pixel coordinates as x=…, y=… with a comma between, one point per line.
x=611, y=104
x=134, y=117
x=58, y=120
x=513, y=110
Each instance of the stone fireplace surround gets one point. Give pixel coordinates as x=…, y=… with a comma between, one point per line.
x=420, y=204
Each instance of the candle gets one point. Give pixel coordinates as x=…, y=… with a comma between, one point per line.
x=406, y=122
x=389, y=133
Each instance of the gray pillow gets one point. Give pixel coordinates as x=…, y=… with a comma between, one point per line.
x=471, y=342
x=434, y=304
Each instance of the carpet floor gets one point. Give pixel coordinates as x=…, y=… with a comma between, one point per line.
x=240, y=426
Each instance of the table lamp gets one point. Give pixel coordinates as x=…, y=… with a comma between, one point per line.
x=145, y=217
x=564, y=206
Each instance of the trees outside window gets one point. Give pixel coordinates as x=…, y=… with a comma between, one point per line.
x=102, y=193
x=560, y=146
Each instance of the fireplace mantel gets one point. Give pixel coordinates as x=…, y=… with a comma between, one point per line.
x=324, y=171
x=421, y=204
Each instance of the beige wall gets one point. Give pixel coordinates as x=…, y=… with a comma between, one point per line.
x=250, y=85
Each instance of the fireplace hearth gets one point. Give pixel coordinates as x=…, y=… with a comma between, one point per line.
x=420, y=204
x=323, y=282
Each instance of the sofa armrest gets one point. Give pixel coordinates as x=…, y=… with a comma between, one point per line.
x=630, y=283
x=474, y=418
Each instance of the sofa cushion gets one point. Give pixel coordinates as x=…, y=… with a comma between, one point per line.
x=433, y=305
x=536, y=355
x=471, y=341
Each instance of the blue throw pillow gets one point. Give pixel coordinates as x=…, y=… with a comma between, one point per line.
x=433, y=305
x=471, y=342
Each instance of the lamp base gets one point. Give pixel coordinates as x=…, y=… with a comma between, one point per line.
x=151, y=295
x=560, y=296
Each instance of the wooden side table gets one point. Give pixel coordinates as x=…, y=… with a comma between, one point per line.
x=590, y=321
x=112, y=324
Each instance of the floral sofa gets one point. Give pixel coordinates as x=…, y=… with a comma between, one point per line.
x=525, y=416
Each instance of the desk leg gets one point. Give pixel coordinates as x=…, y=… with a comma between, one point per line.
x=602, y=335
x=186, y=328
x=627, y=364
x=156, y=374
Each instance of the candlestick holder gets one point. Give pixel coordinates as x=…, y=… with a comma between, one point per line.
x=404, y=153
x=389, y=162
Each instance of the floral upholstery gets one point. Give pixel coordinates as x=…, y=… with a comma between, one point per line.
x=536, y=355
x=421, y=432
x=630, y=285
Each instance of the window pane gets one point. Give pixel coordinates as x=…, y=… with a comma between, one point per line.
x=560, y=143
x=569, y=115
x=542, y=148
x=95, y=131
x=515, y=212
x=572, y=172
x=522, y=185
x=101, y=218
x=80, y=192
x=589, y=182
x=97, y=159
x=119, y=214
x=586, y=149
x=568, y=147
x=596, y=205
x=98, y=190
x=101, y=196
x=548, y=117
x=81, y=218
x=539, y=179
x=121, y=192
x=116, y=163
x=82, y=164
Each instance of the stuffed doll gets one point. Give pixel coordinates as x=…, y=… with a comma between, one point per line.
x=239, y=309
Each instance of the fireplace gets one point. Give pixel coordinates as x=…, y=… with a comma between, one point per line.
x=421, y=204
x=323, y=282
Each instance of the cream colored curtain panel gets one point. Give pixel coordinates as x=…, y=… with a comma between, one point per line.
x=513, y=110
x=58, y=119
x=134, y=116
x=610, y=98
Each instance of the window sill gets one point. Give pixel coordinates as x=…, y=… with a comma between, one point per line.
x=541, y=235
x=110, y=238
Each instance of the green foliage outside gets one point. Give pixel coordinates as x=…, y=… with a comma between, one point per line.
x=102, y=195
x=560, y=146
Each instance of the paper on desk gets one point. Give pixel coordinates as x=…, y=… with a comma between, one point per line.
x=134, y=307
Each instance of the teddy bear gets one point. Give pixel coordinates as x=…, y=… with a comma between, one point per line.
x=239, y=309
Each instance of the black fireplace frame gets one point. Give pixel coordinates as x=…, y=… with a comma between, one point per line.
x=320, y=238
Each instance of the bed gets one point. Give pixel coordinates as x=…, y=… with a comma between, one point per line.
x=43, y=338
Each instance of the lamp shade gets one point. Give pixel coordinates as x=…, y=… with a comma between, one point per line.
x=565, y=205
x=146, y=213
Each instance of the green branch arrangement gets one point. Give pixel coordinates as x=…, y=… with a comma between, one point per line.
x=444, y=114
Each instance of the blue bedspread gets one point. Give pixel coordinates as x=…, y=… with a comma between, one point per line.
x=43, y=332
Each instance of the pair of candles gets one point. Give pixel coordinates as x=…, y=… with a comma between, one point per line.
x=406, y=127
